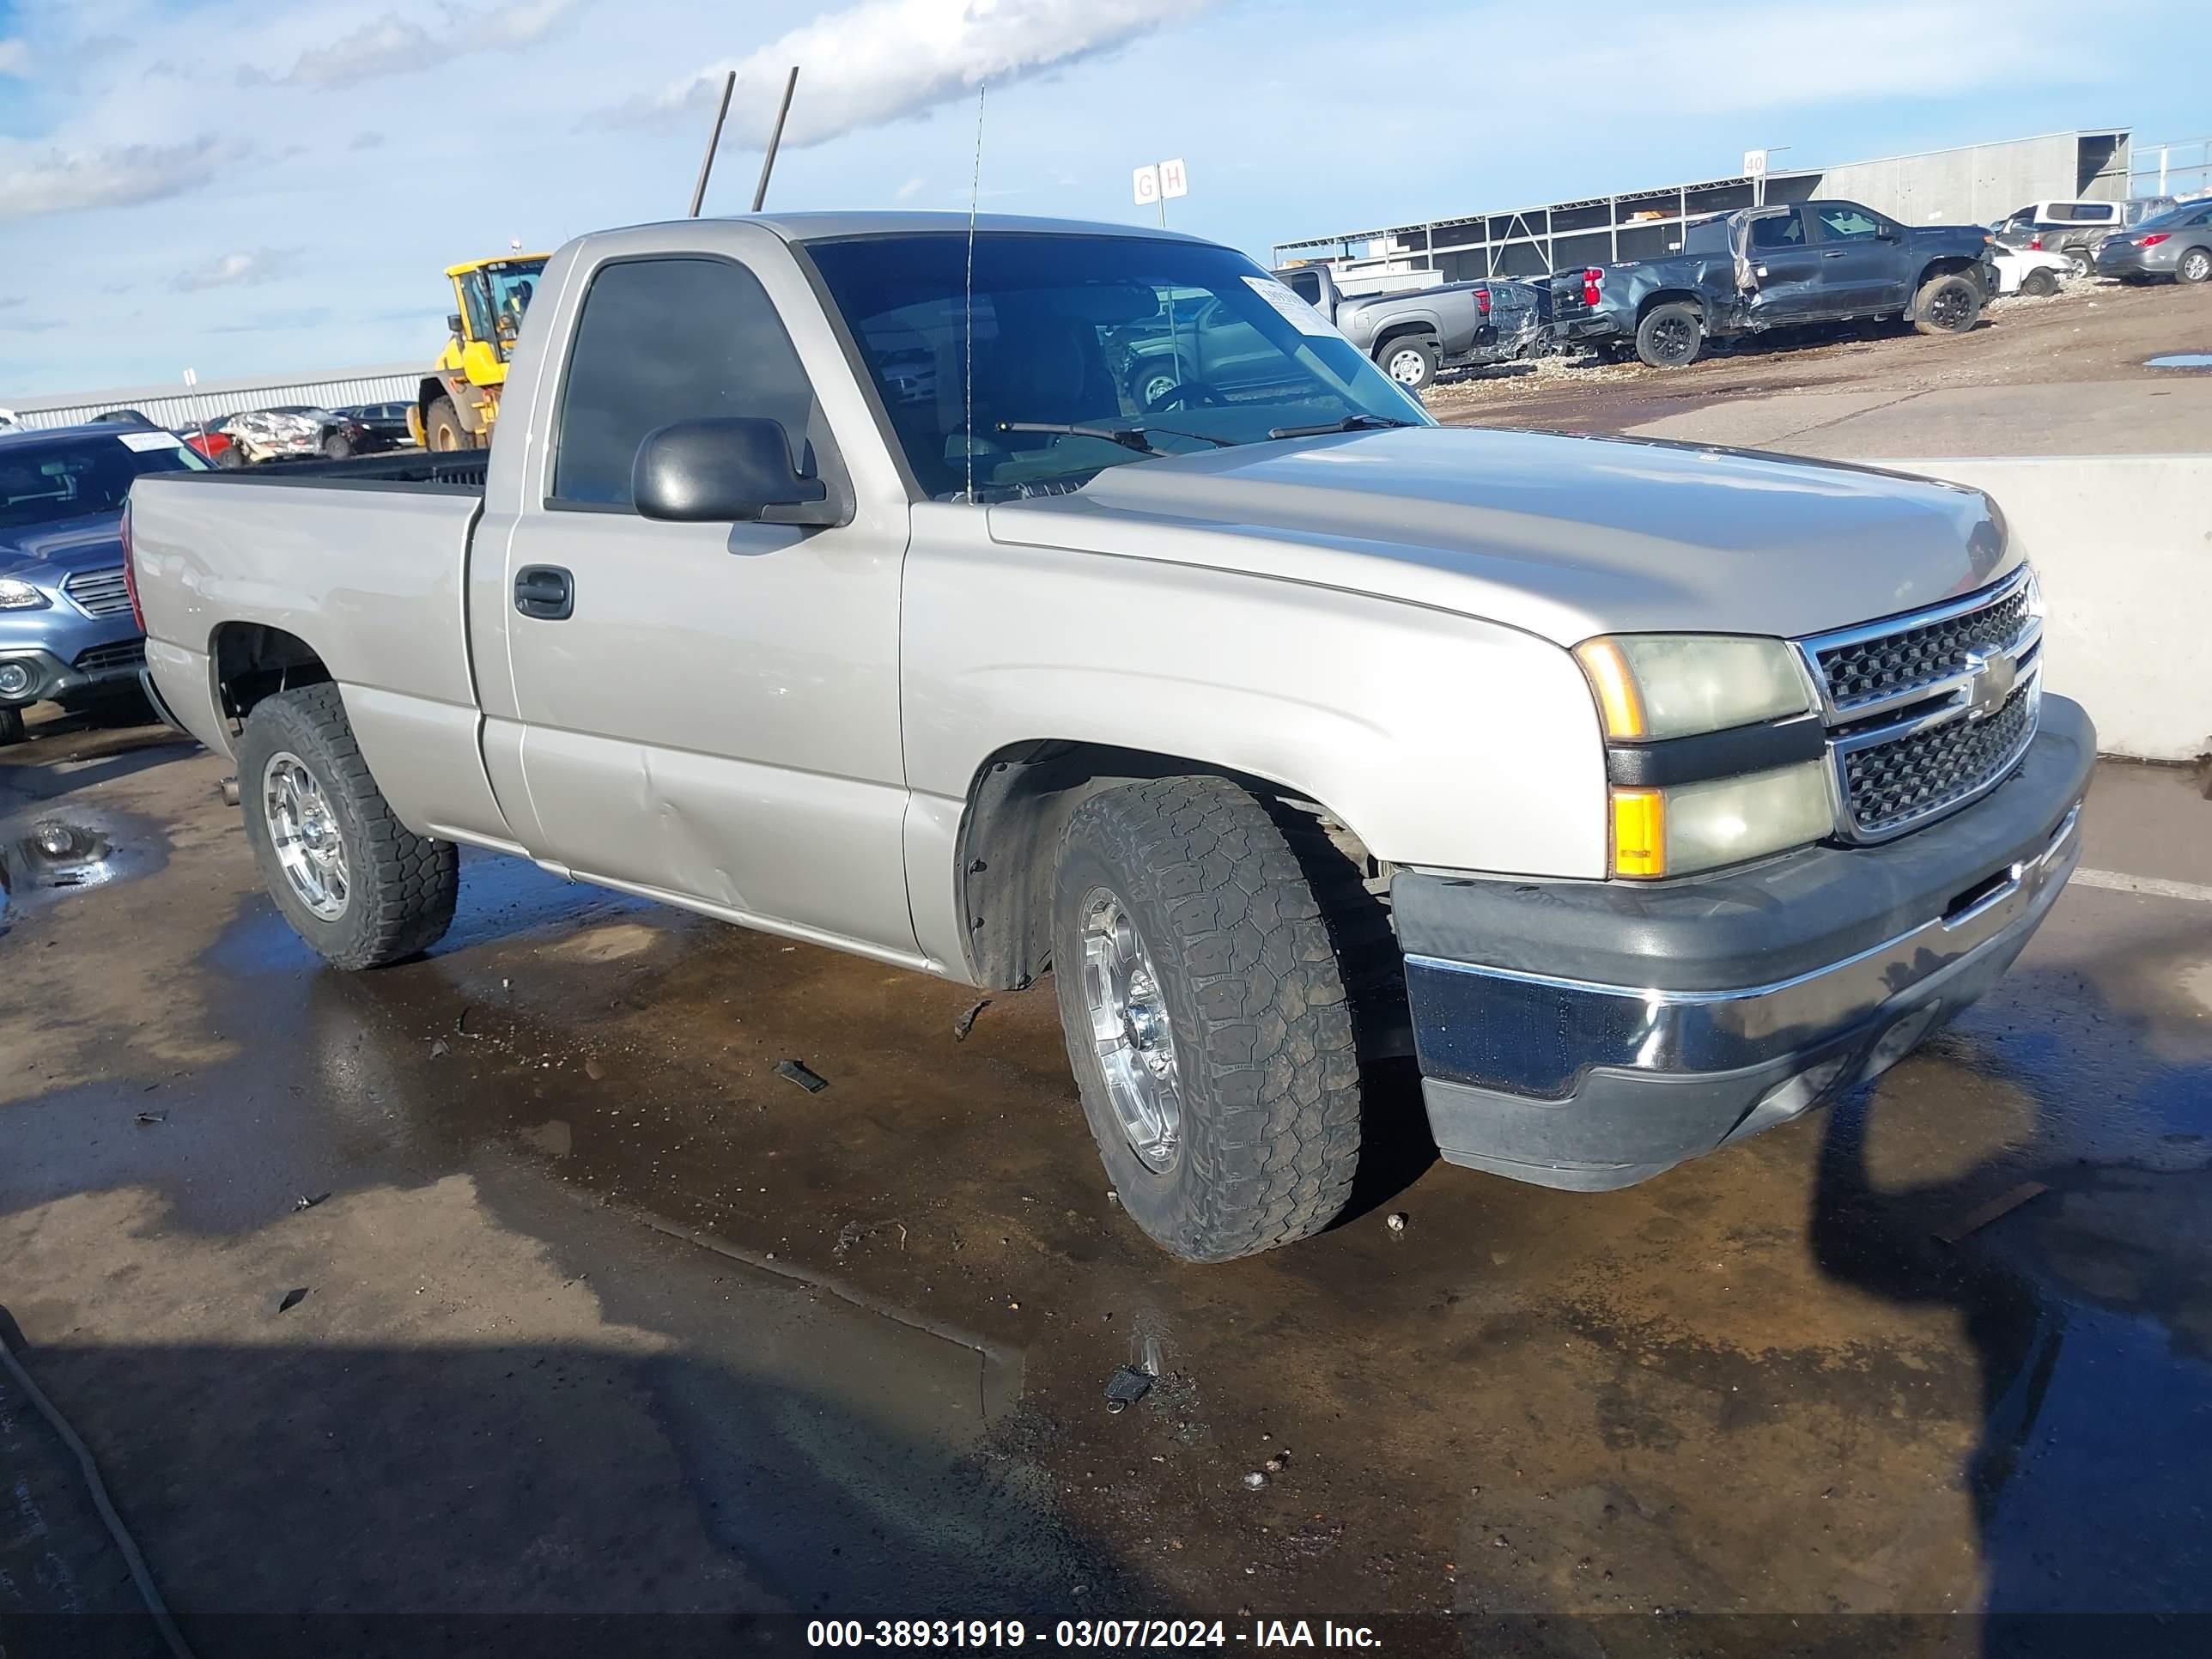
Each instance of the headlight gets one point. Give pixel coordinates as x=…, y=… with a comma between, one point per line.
x=1651, y=686
x=1700, y=826
x=20, y=596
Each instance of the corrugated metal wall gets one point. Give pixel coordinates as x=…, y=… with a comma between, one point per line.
x=178, y=406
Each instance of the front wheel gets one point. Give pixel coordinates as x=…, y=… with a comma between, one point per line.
x=2196, y=266
x=2039, y=284
x=1670, y=336
x=337, y=448
x=11, y=727
x=1206, y=1017
x=443, y=427
x=1948, y=303
x=358, y=885
x=1411, y=361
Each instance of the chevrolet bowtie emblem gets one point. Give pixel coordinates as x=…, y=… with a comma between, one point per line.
x=1990, y=677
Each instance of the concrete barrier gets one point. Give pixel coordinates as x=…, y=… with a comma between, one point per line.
x=2122, y=545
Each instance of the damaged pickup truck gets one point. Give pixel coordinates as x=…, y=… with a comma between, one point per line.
x=1776, y=267
x=1647, y=795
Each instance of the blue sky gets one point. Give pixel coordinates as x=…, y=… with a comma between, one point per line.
x=240, y=187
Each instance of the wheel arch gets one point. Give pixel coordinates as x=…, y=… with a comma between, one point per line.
x=1405, y=328
x=1017, y=807
x=250, y=661
x=1664, y=296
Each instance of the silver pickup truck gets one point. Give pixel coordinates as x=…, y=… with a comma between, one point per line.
x=825, y=578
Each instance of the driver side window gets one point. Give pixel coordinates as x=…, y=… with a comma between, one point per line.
x=1844, y=223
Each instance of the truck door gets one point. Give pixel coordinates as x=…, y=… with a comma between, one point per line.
x=1863, y=258
x=707, y=711
x=1785, y=267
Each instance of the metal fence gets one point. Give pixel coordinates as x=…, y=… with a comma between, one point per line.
x=182, y=406
x=2180, y=167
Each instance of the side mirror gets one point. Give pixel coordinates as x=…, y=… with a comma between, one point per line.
x=1888, y=233
x=730, y=470
x=454, y=324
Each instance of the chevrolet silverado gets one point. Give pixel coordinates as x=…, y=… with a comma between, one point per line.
x=1650, y=795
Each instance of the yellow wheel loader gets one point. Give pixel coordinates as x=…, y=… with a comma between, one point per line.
x=459, y=401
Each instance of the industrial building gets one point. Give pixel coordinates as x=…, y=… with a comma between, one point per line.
x=1973, y=185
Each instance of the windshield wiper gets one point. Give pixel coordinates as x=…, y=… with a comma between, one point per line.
x=1349, y=423
x=1129, y=437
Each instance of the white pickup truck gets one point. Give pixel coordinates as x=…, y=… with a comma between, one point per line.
x=826, y=578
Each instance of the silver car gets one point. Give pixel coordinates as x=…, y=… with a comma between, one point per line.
x=2174, y=245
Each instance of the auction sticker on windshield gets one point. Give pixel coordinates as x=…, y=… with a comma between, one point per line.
x=1300, y=315
x=142, y=441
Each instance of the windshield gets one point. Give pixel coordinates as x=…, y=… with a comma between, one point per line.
x=1171, y=347
x=72, y=477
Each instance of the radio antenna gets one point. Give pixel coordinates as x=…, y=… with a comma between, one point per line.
x=975, y=190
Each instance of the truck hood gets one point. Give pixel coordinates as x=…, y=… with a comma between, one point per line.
x=48, y=552
x=1561, y=537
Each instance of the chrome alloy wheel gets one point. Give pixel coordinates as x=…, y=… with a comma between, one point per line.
x=304, y=832
x=1129, y=1033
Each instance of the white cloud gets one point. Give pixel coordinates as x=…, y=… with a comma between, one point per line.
x=14, y=56
x=394, y=45
x=242, y=269
x=36, y=178
x=886, y=59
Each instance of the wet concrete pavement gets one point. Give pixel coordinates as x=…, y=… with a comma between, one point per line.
x=602, y=1315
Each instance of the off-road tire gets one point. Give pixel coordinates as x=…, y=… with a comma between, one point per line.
x=1410, y=354
x=1934, y=292
x=402, y=885
x=1265, y=1052
x=443, y=429
x=11, y=727
x=1662, y=326
x=2039, y=284
x=2194, y=266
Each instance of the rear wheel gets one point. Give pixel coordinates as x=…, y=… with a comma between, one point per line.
x=357, y=884
x=1411, y=361
x=1670, y=336
x=337, y=446
x=230, y=457
x=1947, y=303
x=443, y=427
x=1206, y=1017
x=2039, y=284
x=2196, y=266
x=2084, y=263
x=11, y=727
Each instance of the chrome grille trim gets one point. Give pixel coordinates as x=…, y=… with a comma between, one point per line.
x=1943, y=666
x=99, y=592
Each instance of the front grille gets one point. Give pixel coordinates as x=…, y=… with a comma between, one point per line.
x=1889, y=785
x=1894, y=665
x=99, y=592
x=110, y=659
x=1926, y=712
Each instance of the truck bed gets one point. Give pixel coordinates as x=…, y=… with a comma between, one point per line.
x=415, y=469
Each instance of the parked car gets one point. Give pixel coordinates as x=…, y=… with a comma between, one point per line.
x=207, y=439
x=2174, y=246
x=124, y=417
x=1648, y=794
x=2037, y=275
x=386, y=424
x=2069, y=229
x=1778, y=267
x=1414, y=334
x=67, y=634
x=277, y=434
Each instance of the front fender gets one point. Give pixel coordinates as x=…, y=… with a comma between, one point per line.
x=1438, y=739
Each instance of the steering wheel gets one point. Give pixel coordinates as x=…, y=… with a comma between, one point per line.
x=1185, y=394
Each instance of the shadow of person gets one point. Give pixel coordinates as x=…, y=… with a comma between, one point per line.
x=2087, y=1480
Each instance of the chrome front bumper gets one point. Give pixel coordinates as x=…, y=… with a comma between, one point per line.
x=1591, y=1084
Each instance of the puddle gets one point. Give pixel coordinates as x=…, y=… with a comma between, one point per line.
x=51, y=854
x=2180, y=360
